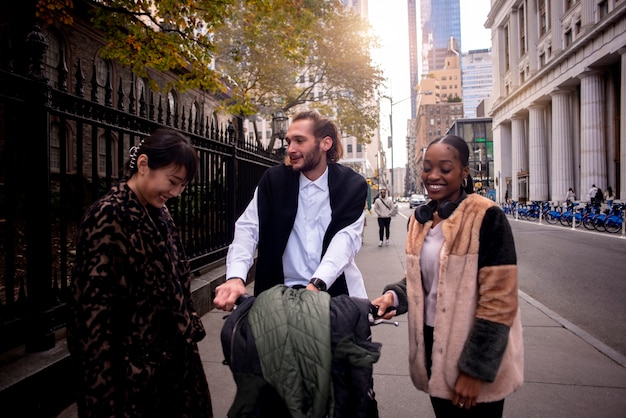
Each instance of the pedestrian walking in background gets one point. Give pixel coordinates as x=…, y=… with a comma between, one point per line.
x=132, y=328
x=609, y=197
x=593, y=191
x=305, y=218
x=383, y=206
x=570, y=196
x=460, y=254
x=599, y=197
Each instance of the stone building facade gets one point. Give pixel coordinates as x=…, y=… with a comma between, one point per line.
x=559, y=96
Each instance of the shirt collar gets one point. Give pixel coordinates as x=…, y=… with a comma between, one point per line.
x=321, y=183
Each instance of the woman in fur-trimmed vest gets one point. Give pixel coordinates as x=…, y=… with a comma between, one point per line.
x=460, y=292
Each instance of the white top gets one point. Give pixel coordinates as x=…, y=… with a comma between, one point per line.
x=301, y=259
x=429, y=266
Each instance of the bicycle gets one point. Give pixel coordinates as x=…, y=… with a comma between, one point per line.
x=566, y=217
x=611, y=222
x=552, y=216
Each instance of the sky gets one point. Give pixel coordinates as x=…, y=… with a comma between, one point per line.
x=390, y=23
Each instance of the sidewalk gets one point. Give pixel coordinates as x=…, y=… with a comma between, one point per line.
x=567, y=372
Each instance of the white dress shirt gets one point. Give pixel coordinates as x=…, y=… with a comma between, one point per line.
x=301, y=259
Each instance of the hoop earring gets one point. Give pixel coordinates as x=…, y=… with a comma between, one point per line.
x=465, y=182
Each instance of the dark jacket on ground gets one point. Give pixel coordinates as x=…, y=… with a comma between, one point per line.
x=302, y=341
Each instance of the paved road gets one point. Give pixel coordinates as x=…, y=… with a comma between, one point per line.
x=579, y=274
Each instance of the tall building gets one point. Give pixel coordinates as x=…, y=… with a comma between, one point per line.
x=413, y=55
x=559, y=97
x=438, y=107
x=477, y=77
x=440, y=22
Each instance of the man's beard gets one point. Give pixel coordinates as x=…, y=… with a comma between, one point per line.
x=310, y=161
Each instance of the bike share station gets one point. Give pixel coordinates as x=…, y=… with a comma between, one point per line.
x=612, y=219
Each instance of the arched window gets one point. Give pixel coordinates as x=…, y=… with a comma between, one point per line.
x=102, y=155
x=55, y=148
x=52, y=56
x=172, y=111
x=104, y=69
x=194, y=118
x=141, y=89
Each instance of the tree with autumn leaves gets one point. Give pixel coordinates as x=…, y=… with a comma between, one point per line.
x=258, y=52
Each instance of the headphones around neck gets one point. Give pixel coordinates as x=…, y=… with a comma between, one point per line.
x=424, y=213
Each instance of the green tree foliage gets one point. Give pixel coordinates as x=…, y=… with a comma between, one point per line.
x=253, y=51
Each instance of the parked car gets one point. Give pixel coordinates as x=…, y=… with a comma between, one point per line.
x=416, y=200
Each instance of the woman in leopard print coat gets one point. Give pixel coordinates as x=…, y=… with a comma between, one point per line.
x=132, y=328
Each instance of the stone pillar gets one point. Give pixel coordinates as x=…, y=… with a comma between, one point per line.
x=562, y=163
x=611, y=121
x=537, y=154
x=519, y=162
x=592, y=131
x=621, y=194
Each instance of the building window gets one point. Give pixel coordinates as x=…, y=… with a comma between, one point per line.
x=55, y=149
x=52, y=58
x=349, y=148
x=102, y=155
x=194, y=118
x=359, y=148
x=103, y=74
x=568, y=38
x=507, y=56
x=171, y=103
x=603, y=9
x=141, y=91
x=544, y=24
x=522, y=30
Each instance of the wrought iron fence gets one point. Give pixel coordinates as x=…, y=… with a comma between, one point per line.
x=59, y=151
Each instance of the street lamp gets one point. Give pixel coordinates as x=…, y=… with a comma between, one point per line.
x=280, y=122
x=390, y=139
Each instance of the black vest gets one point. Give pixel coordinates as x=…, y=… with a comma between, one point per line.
x=277, y=205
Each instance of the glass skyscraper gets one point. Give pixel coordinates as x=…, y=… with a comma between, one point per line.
x=441, y=24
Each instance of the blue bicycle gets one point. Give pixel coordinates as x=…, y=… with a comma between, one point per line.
x=611, y=222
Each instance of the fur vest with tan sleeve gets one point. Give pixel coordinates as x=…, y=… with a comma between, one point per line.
x=478, y=328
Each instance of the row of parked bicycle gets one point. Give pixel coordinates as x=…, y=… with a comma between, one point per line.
x=590, y=216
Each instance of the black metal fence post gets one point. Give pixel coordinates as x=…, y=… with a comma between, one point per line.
x=37, y=208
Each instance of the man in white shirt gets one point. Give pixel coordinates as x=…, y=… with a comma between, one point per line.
x=305, y=220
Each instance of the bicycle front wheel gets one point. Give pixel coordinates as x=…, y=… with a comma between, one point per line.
x=613, y=226
x=551, y=219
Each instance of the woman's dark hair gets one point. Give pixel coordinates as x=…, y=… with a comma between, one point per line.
x=164, y=147
x=463, y=150
x=323, y=127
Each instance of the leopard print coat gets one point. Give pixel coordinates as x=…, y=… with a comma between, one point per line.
x=132, y=328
